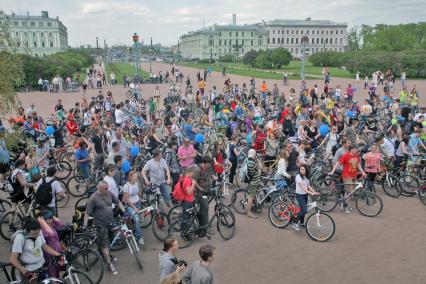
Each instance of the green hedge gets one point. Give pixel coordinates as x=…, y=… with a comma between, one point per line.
x=413, y=62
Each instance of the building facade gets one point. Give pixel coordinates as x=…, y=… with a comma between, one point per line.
x=219, y=40
x=319, y=35
x=37, y=35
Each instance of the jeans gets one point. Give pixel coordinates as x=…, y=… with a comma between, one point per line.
x=302, y=199
x=136, y=220
x=165, y=192
x=185, y=205
x=234, y=164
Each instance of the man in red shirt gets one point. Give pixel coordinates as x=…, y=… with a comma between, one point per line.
x=71, y=125
x=351, y=163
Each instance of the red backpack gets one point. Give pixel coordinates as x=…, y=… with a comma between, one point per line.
x=178, y=193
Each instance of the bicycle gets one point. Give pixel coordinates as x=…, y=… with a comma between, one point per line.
x=332, y=192
x=421, y=192
x=319, y=225
x=187, y=228
x=152, y=213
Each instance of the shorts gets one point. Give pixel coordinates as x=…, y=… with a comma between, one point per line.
x=253, y=188
x=102, y=235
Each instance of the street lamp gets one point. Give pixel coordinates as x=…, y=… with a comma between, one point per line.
x=304, y=41
x=150, y=57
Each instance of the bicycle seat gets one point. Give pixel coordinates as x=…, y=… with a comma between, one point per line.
x=4, y=264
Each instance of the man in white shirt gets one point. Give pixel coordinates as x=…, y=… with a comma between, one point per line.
x=119, y=116
x=57, y=189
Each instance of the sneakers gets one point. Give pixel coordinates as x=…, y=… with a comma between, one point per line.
x=295, y=227
x=112, y=269
x=347, y=210
x=141, y=242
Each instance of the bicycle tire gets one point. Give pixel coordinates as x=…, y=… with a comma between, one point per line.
x=81, y=202
x=91, y=262
x=160, y=226
x=421, y=192
x=228, y=193
x=78, y=277
x=63, y=170
x=239, y=201
x=76, y=188
x=369, y=199
x=328, y=198
x=409, y=184
x=7, y=229
x=61, y=202
x=391, y=186
x=5, y=206
x=135, y=251
x=314, y=231
x=225, y=222
x=175, y=212
x=279, y=214
x=186, y=238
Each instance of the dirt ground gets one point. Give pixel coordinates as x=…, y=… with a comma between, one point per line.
x=387, y=249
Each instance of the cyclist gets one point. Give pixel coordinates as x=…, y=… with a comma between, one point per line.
x=199, y=271
x=351, y=165
x=83, y=159
x=253, y=171
x=131, y=198
x=158, y=172
x=99, y=207
x=27, y=249
x=372, y=162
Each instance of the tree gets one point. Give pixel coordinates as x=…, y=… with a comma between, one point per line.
x=353, y=39
x=11, y=74
x=263, y=59
x=280, y=57
x=250, y=58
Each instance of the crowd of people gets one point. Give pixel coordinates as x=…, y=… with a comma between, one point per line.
x=189, y=151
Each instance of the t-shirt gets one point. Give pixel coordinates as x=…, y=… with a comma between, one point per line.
x=189, y=132
x=157, y=171
x=301, y=181
x=112, y=185
x=30, y=252
x=186, y=185
x=99, y=207
x=133, y=191
x=81, y=155
x=56, y=188
x=186, y=152
x=197, y=274
x=350, y=165
x=119, y=116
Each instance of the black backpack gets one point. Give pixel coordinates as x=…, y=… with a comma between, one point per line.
x=44, y=195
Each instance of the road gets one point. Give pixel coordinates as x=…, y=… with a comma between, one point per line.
x=387, y=249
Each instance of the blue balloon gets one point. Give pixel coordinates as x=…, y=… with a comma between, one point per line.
x=324, y=129
x=199, y=138
x=50, y=130
x=125, y=166
x=134, y=151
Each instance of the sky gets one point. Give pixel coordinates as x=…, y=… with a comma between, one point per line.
x=115, y=21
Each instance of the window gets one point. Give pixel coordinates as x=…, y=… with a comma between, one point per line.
x=292, y=41
x=282, y=40
x=42, y=44
x=24, y=24
x=16, y=33
x=341, y=32
x=51, y=44
x=273, y=40
x=287, y=40
x=307, y=32
x=322, y=41
x=341, y=40
x=242, y=34
x=26, y=43
x=297, y=40
x=322, y=32
x=268, y=40
x=18, y=44
x=331, y=41
x=273, y=31
x=326, y=41
x=242, y=50
x=259, y=41
x=326, y=32
x=340, y=49
x=41, y=34
x=35, y=44
x=220, y=34
x=278, y=31
x=33, y=34
x=288, y=31
x=230, y=33
x=49, y=24
x=236, y=42
x=297, y=50
x=220, y=42
x=317, y=40
x=292, y=32
x=50, y=33
x=16, y=23
x=236, y=34
x=33, y=24
x=331, y=32
x=297, y=32
x=25, y=33
x=242, y=42
x=251, y=33
x=251, y=42
x=313, y=41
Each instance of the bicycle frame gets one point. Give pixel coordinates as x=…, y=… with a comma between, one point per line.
x=127, y=233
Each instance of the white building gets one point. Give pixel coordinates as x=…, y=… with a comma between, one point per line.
x=38, y=35
x=320, y=35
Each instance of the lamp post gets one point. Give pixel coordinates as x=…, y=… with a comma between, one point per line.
x=150, y=58
x=304, y=40
x=136, y=55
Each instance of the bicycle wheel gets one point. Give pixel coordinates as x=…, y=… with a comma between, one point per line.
x=135, y=251
x=63, y=169
x=160, y=226
x=227, y=192
x=175, y=213
x=186, y=236
x=146, y=219
x=76, y=188
x=328, y=198
x=81, y=202
x=61, y=202
x=225, y=222
x=77, y=277
x=279, y=214
x=409, y=185
x=239, y=201
x=90, y=261
x=391, y=186
x=422, y=194
x=9, y=224
x=320, y=226
x=5, y=206
x=369, y=204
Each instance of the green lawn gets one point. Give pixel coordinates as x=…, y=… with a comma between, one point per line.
x=120, y=69
x=293, y=68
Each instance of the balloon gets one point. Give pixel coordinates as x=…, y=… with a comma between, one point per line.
x=134, y=151
x=324, y=129
x=126, y=167
x=393, y=121
x=199, y=138
x=385, y=98
x=50, y=130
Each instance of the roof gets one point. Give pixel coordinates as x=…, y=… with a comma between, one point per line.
x=219, y=28
x=302, y=23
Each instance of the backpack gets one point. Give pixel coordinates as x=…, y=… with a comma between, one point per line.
x=44, y=193
x=178, y=193
x=244, y=174
x=13, y=237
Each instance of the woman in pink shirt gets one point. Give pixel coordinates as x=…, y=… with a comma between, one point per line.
x=186, y=154
x=372, y=162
